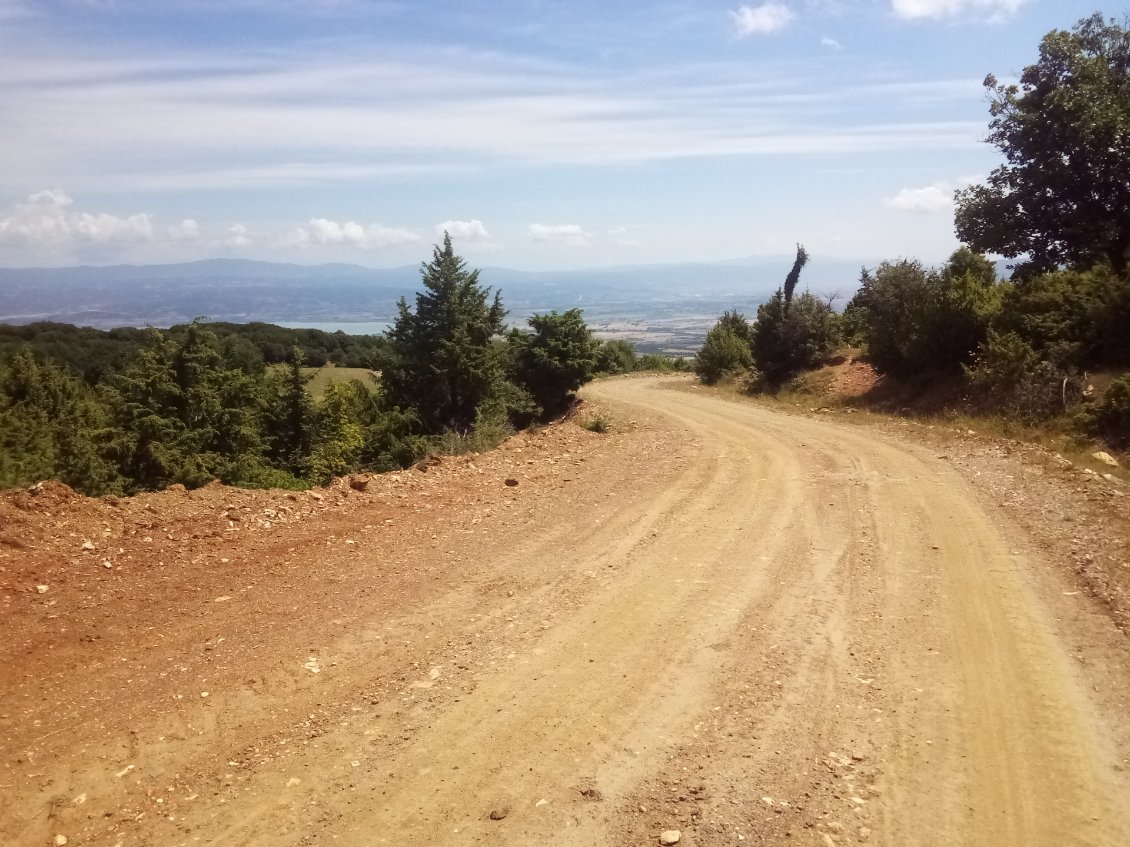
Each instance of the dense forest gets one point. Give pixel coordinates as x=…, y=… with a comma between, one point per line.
x=1051, y=342
x=141, y=409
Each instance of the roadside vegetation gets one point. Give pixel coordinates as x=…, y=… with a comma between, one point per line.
x=262, y=406
x=1050, y=345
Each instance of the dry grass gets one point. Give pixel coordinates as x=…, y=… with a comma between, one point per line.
x=327, y=375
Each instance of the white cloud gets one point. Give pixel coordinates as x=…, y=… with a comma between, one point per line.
x=472, y=231
x=238, y=236
x=186, y=230
x=104, y=228
x=932, y=198
x=326, y=233
x=623, y=237
x=829, y=42
x=45, y=220
x=769, y=17
x=918, y=9
x=571, y=234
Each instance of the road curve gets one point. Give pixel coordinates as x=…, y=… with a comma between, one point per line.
x=877, y=568
x=823, y=627
x=798, y=632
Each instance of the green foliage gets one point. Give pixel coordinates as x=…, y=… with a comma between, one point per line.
x=27, y=453
x=726, y=349
x=179, y=415
x=916, y=320
x=49, y=428
x=615, y=357
x=337, y=434
x=94, y=353
x=442, y=363
x=1072, y=318
x=662, y=363
x=556, y=359
x=288, y=415
x=1009, y=376
x=789, y=337
x=1063, y=196
x=1110, y=418
x=598, y=424
x=794, y=274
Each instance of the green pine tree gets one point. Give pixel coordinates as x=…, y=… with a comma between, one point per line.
x=441, y=362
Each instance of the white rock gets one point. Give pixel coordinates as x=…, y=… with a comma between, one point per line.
x=43, y=589
x=670, y=837
x=1105, y=458
x=60, y=840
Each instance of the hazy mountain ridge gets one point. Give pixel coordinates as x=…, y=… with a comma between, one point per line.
x=246, y=290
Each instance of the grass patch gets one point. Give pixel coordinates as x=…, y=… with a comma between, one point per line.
x=327, y=375
x=599, y=424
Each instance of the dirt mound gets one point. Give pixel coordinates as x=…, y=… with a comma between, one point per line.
x=852, y=378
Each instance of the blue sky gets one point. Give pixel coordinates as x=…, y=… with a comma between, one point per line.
x=542, y=134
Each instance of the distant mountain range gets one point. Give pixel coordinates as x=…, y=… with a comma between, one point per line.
x=241, y=290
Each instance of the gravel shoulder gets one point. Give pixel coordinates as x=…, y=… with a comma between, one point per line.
x=741, y=624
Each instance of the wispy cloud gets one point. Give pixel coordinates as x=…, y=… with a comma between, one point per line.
x=767, y=18
x=571, y=234
x=918, y=9
x=212, y=124
x=831, y=43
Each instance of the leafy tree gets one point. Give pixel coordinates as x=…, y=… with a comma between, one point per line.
x=789, y=337
x=1063, y=196
x=143, y=401
x=49, y=426
x=1012, y=376
x=663, y=363
x=1110, y=419
x=794, y=274
x=792, y=334
x=962, y=303
x=1071, y=318
x=725, y=350
x=917, y=320
x=338, y=434
x=556, y=359
x=615, y=357
x=179, y=415
x=441, y=361
x=289, y=415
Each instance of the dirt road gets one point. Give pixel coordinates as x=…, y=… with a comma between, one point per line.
x=746, y=626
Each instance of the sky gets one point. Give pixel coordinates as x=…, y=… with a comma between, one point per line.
x=542, y=134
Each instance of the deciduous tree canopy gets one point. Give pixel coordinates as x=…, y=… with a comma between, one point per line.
x=1063, y=195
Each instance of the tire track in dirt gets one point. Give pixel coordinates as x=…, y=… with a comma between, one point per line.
x=792, y=632
x=955, y=714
